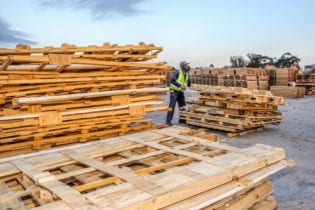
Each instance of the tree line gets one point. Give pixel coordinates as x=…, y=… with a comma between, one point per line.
x=257, y=61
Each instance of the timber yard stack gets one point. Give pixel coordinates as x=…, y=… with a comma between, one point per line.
x=169, y=168
x=234, y=110
x=263, y=82
x=288, y=91
x=252, y=78
x=307, y=81
x=282, y=77
x=59, y=95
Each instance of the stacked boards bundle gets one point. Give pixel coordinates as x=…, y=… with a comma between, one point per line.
x=59, y=95
x=234, y=110
x=169, y=168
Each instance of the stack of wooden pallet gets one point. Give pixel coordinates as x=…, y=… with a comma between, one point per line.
x=170, y=168
x=307, y=81
x=292, y=72
x=282, y=77
x=288, y=91
x=263, y=82
x=58, y=95
x=252, y=78
x=234, y=110
x=251, y=81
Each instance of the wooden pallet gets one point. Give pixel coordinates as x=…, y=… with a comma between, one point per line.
x=111, y=52
x=155, y=169
x=233, y=110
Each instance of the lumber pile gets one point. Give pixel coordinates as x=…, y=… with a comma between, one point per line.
x=307, y=81
x=288, y=91
x=263, y=82
x=234, y=110
x=252, y=78
x=282, y=77
x=170, y=168
x=292, y=71
x=59, y=95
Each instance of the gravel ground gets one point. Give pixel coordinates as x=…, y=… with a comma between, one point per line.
x=293, y=187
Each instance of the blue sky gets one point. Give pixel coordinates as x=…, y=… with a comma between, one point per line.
x=202, y=32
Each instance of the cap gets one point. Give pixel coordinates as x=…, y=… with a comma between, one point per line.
x=183, y=63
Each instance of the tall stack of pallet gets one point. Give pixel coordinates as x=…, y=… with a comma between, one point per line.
x=263, y=82
x=234, y=110
x=251, y=81
x=282, y=77
x=292, y=72
x=59, y=95
x=170, y=168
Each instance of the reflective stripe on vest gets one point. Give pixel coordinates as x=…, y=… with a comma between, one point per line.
x=181, y=79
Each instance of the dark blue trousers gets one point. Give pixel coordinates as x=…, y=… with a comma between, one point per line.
x=175, y=96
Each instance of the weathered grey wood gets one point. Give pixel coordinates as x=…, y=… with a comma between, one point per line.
x=8, y=200
x=131, y=178
x=70, y=196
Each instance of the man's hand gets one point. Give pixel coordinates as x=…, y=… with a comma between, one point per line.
x=183, y=87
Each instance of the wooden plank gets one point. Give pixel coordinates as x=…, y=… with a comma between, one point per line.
x=30, y=100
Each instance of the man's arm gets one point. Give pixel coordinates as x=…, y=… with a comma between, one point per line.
x=174, y=78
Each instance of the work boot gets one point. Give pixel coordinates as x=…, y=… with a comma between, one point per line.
x=169, y=123
x=183, y=121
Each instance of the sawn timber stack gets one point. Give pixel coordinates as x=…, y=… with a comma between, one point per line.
x=233, y=110
x=59, y=95
x=170, y=168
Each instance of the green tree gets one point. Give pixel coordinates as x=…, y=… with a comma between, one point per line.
x=287, y=60
x=237, y=61
x=257, y=61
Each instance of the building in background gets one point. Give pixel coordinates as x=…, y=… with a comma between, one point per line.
x=309, y=68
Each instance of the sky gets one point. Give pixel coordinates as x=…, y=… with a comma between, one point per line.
x=202, y=32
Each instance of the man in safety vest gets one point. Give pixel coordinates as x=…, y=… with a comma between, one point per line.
x=179, y=83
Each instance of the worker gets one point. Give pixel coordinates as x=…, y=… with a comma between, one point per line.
x=179, y=83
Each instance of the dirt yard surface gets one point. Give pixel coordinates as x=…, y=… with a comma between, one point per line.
x=293, y=187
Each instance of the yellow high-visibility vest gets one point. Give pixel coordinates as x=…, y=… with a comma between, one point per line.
x=182, y=79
